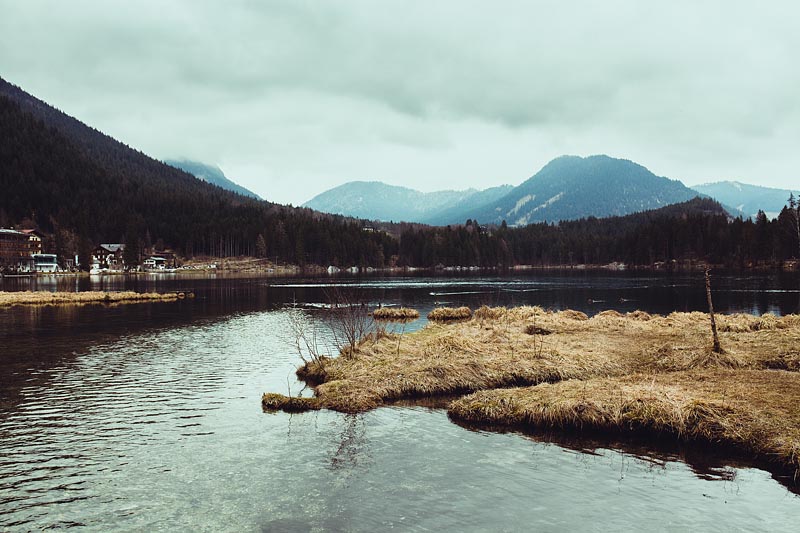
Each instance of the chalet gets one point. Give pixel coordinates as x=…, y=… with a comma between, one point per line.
x=35, y=240
x=170, y=260
x=108, y=256
x=14, y=250
x=155, y=263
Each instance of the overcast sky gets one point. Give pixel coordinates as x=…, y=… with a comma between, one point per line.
x=292, y=98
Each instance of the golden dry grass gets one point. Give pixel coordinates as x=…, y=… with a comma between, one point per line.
x=611, y=372
x=753, y=410
x=395, y=313
x=88, y=297
x=291, y=404
x=446, y=314
x=465, y=356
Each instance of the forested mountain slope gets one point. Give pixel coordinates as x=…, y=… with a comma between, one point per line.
x=571, y=187
x=71, y=179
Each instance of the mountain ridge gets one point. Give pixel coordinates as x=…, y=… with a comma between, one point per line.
x=376, y=200
x=210, y=174
x=566, y=188
x=747, y=198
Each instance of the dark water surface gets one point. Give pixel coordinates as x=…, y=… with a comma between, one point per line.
x=147, y=417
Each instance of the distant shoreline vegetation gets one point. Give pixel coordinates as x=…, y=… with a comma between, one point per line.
x=79, y=187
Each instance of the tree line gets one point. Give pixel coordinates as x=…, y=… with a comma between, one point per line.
x=87, y=192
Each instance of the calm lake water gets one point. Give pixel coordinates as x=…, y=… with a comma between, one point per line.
x=148, y=417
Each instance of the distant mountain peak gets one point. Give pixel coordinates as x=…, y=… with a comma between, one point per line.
x=747, y=198
x=376, y=200
x=572, y=187
x=210, y=174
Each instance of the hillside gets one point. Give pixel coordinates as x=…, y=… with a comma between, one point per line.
x=697, y=230
x=375, y=200
x=211, y=174
x=748, y=199
x=572, y=187
x=85, y=187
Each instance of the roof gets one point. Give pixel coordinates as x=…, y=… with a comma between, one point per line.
x=32, y=231
x=113, y=247
x=11, y=232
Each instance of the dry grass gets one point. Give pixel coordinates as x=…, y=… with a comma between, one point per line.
x=461, y=357
x=291, y=404
x=489, y=313
x=753, y=410
x=611, y=372
x=395, y=313
x=447, y=314
x=610, y=313
x=88, y=297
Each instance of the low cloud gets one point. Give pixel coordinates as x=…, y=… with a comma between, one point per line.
x=290, y=98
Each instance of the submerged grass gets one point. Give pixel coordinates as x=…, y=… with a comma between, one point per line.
x=752, y=410
x=87, y=297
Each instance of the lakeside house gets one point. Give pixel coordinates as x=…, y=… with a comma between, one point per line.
x=155, y=263
x=22, y=251
x=108, y=255
x=15, y=252
x=35, y=240
x=45, y=262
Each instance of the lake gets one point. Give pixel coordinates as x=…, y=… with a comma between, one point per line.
x=148, y=416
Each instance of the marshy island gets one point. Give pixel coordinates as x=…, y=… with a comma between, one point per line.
x=526, y=367
x=8, y=299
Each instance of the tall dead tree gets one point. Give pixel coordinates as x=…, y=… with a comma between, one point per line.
x=716, y=348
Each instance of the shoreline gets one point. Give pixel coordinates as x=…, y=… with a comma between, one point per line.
x=262, y=268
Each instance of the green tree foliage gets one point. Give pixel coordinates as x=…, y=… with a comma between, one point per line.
x=261, y=246
x=696, y=230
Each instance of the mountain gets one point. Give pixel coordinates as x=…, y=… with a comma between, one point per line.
x=748, y=199
x=375, y=200
x=84, y=187
x=210, y=174
x=571, y=187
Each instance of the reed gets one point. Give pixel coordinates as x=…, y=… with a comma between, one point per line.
x=448, y=314
x=87, y=297
x=752, y=410
x=466, y=356
x=395, y=313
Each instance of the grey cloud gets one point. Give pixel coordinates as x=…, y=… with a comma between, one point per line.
x=421, y=93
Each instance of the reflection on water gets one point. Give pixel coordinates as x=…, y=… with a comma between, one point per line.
x=148, y=417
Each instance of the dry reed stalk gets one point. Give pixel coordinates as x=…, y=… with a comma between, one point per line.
x=458, y=357
x=446, y=314
x=573, y=315
x=87, y=297
x=485, y=312
x=291, y=404
x=747, y=409
x=610, y=313
x=395, y=313
x=639, y=315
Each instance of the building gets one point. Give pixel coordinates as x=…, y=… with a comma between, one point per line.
x=35, y=240
x=45, y=262
x=155, y=263
x=15, y=253
x=108, y=256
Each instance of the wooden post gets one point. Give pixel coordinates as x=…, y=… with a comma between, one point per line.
x=716, y=348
